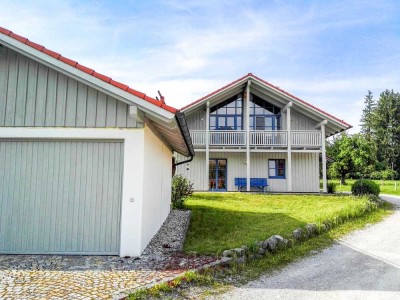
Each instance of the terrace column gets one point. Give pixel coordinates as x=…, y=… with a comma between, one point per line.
x=323, y=150
x=289, y=147
x=207, y=137
x=247, y=116
x=324, y=182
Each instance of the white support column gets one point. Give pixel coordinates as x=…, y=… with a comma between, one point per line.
x=289, y=152
x=207, y=179
x=324, y=182
x=247, y=105
x=289, y=147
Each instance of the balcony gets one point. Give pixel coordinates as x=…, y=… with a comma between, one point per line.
x=258, y=138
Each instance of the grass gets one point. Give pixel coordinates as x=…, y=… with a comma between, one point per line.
x=387, y=186
x=223, y=221
x=216, y=280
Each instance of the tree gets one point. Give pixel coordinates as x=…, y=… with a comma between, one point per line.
x=351, y=154
x=386, y=129
x=367, y=115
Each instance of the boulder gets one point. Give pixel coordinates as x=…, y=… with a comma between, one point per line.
x=280, y=241
x=239, y=252
x=298, y=234
x=227, y=253
x=261, y=251
x=241, y=260
x=224, y=261
x=271, y=244
x=311, y=229
x=245, y=249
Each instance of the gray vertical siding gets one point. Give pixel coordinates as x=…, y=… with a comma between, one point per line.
x=305, y=172
x=60, y=196
x=32, y=94
x=300, y=122
x=197, y=120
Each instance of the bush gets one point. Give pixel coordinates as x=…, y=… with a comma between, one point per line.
x=365, y=187
x=331, y=187
x=181, y=189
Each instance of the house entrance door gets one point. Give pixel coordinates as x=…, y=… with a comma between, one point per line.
x=218, y=173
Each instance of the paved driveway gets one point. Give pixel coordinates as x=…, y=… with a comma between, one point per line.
x=86, y=277
x=364, y=265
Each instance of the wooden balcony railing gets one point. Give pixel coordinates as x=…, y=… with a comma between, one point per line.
x=227, y=138
x=310, y=138
x=268, y=138
x=278, y=138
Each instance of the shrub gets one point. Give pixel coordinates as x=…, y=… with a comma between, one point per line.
x=331, y=187
x=365, y=187
x=181, y=189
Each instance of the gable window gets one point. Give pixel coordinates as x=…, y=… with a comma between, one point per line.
x=227, y=115
x=263, y=115
x=276, y=168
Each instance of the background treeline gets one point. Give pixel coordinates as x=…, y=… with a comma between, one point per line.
x=374, y=152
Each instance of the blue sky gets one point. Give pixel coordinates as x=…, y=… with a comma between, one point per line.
x=329, y=53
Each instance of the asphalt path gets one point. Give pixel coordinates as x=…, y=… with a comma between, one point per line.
x=363, y=265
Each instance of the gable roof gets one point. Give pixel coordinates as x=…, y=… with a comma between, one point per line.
x=168, y=120
x=290, y=97
x=87, y=70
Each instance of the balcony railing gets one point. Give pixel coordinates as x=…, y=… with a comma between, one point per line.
x=227, y=138
x=306, y=138
x=268, y=138
x=276, y=138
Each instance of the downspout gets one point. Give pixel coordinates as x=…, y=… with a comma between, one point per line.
x=181, y=121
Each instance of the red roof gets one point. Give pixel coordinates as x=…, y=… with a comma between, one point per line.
x=250, y=75
x=87, y=70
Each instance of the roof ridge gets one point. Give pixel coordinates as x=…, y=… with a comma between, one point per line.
x=249, y=75
x=87, y=70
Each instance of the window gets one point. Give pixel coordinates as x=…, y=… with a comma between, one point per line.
x=276, y=168
x=263, y=115
x=227, y=115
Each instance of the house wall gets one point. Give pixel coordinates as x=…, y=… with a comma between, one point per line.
x=305, y=168
x=197, y=120
x=156, y=185
x=34, y=95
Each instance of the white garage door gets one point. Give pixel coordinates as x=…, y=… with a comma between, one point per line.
x=60, y=196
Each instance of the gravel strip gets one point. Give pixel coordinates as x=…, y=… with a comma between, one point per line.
x=172, y=234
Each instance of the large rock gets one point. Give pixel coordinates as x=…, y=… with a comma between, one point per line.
x=280, y=242
x=270, y=244
x=298, y=234
x=311, y=229
x=239, y=252
x=224, y=261
x=227, y=253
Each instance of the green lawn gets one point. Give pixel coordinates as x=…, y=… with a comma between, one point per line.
x=387, y=186
x=226, y=220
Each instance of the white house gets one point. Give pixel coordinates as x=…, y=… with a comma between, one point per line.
x=250, y=134
x=86, y=162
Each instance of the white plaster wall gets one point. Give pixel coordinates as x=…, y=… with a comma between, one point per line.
x=156, y=185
